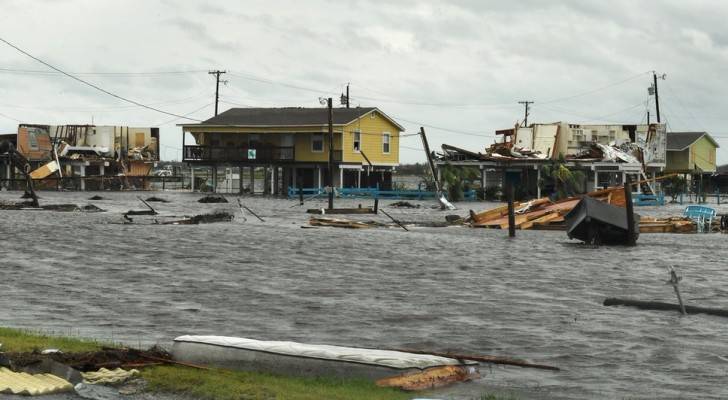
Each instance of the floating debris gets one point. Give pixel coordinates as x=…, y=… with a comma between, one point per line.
x=157, y=199
x=339, y=211
x=212, y=199
x=218, y=216
x=343, y=223
x=90, y=208
x=595, y=222
x=404, y=204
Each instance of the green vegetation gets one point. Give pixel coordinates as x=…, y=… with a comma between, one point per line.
x=232, y=385
x=21, y=340
x=457, y=179
x=674, y=186
x=217, y=384
x=560, y=181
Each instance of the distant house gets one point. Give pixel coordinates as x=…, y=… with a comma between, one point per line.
x=5, y=160
x=90, y=150
x=291, y=145
x=637, y=151
x=690, y=153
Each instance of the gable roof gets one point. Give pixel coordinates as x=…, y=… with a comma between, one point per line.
x=290, y=116
x=679, y=141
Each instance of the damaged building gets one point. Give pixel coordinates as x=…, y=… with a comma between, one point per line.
x=606, y=154
x=90, y=157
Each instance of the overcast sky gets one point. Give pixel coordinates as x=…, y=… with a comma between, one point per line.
x=458, y=68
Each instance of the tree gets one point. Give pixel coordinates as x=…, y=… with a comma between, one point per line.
x=674, y=186
x=456, y=179
x=560, y=180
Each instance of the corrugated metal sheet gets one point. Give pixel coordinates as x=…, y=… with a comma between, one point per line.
x=109, y=376
x=27, y=384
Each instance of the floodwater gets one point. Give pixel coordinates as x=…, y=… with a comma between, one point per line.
x=537, y=296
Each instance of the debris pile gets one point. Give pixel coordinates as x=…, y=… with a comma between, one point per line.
x=217, y=216
x=95, y=360
x=157, y=199
x=212, y=199
x=544, y=214
x=404, y=204
x=343, y=223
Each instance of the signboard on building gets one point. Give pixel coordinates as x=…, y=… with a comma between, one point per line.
x=251, y=154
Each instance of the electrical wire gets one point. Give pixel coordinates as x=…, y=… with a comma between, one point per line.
x=273, y=82
x=186, y=114
x=559, y=99
x=441, y=128
x=95, y=86
x=9, y=117
x=148, y=73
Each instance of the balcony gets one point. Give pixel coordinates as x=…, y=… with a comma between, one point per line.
x=262, y=154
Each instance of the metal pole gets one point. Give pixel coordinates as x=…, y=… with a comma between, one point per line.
x=331, y=154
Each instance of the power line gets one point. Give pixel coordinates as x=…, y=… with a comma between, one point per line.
x=146, y=73
x=186, y=114
x=106, y=109
x=9, y=117
x=273, y=82
x=558, y=99
x=95, y=86
x=441, y=128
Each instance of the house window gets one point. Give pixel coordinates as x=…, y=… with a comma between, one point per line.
x=317, y=142
x=385, y=143
x=357, y=141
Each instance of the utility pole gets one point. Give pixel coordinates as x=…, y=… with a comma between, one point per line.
x=657, y=98
x=217, y=74
x=653, y=90
x=345, y=98
x=526, y=103
x=331, y=154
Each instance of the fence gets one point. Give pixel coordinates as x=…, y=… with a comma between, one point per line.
x=469, y=195
x=102, y=183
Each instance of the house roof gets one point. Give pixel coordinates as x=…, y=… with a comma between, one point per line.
x=679, y=141
x=289, y=116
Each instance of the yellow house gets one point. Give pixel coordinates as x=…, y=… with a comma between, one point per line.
x=291, y=144
x=690, y=153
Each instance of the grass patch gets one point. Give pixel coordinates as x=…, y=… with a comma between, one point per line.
x=217, y=384
x=235, y=385
x=22, y=340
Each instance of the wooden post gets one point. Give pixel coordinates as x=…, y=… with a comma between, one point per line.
x=511, y=212
x=300, y=192
x=331, y=154
x=674, y=280
x=630, y=213
x=376, y=205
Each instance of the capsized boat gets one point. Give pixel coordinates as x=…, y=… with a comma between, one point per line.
x=387, y=367
x=596, y=222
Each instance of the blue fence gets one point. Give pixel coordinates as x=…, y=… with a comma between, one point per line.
x=649, y=199
x=469, y=195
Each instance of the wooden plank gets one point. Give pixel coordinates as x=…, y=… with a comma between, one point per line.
x=542, y=220
x=430, y=378
x=493, y=213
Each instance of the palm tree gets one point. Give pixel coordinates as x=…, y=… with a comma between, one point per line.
x=565, y=182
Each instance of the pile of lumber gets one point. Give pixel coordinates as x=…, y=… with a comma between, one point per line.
x=541, y=213
x=549, y=215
